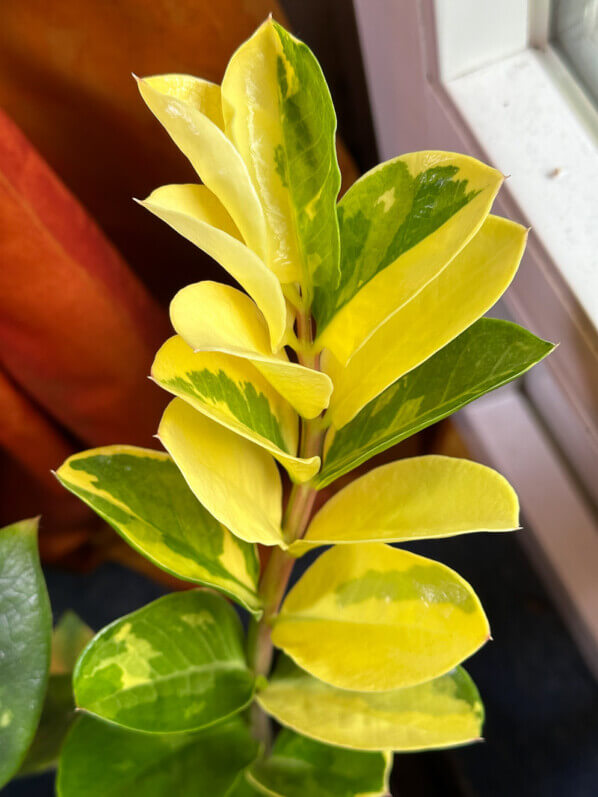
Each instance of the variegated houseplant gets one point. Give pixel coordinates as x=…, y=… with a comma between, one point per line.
x=359, y=324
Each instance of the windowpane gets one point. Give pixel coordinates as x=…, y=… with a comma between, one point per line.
x=575, y=35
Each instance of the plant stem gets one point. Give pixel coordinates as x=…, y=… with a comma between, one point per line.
x=277, y=571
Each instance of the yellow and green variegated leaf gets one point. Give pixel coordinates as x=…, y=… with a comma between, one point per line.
x=143, y=496
x=214, y=317
x=299, y=766
x=489, y=354
x=175, y=665
x=197, y=214
x=25, y=631
x=279, y=114
x=231, y=391
x=180, y=105
x=414, y=619
x=401, y=224
x=99, y=759
x=432, y=496
x=473, y=281
x=237, y=481
x=443, y=712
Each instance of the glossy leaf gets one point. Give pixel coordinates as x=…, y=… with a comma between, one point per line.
x=25, y=632
x=231, y=391
x=175, y=665
x=433, y=496
x=214, y=158
x=486, y=356
x=443, y=712
x=143, y=496
x=372, y=618
x=299, y=766
x=237, y=481
x=401, y=224
x=473, y=281
x=197, y=214
x=279, y=114
x=230, y=322
x=100, y=759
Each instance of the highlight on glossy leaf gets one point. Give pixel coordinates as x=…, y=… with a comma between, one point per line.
x=300, y=766
x=143, y=496
x=176, y=665
x=400, y=225
x=415, y=619
x=231, y=323
x=152, y=765
x=417, y=498
x=444, y=712
x=237, y=481
x=486, y=356
x=473, y=281
x=231, y=391
x=279, y=114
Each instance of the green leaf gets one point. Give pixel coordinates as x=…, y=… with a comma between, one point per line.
x=400, y=225
x=373, y=618
x=299, y=766
x=100, y=759
x=69, y=638
x=25, y=630
x=279, y=114
x=175, y=665
x=487, y=355
x=143, y=496
x=444, y=712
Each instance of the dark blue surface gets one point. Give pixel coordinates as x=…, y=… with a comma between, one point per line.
x=541, y=702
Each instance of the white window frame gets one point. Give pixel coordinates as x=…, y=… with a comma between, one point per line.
x=438, y=72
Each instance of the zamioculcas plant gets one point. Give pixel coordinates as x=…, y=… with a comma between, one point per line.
x=359, y=324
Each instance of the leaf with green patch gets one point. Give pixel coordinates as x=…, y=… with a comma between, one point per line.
x=143, y=496
x=230, y=322
x=414, y=619
x=279, y=114
x=484, y=357
x=100, y=759
x=466, y=289
x=300, y=766
x=175, y=665
x=231, y=391
x=25, y=638
x=400, y=225
x=412, y=499
x=443, y=712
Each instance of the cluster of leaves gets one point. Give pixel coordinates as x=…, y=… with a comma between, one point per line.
x=394, y=279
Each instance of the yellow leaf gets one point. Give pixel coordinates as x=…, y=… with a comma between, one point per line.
x=231, y=391
x=373, y=618
x=235, y=480
x=197, y=214
x=214, y=317
x=214, y=158
x=473, y=281
x=412, y=499
x=401, y=225
x=443, y=712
